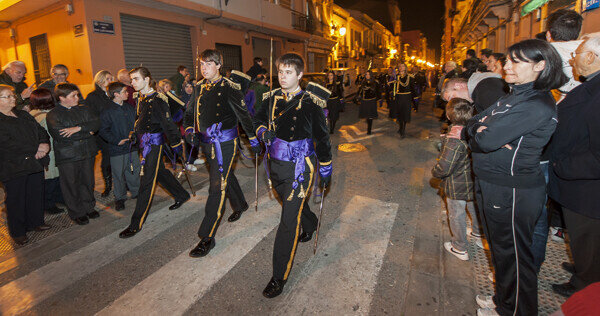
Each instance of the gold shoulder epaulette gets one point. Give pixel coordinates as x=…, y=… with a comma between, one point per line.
x=174, y=97
x=268, y=94
x=241, y=74
x=163, y=97
x=232, y=84
x=318, y=94
x=318, y=101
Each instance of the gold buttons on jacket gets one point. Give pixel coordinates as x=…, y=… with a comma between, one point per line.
x=294, y=118
x=292, y=128
x=218, y=104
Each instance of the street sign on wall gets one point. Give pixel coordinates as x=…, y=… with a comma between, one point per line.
x=591, y=4
x=103, y=27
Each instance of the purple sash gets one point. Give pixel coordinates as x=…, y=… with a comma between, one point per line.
x=214, y=135
x=295, y=152
x=146, y=142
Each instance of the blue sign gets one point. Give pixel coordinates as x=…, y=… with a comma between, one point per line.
x=103, y=27
x=591, y=4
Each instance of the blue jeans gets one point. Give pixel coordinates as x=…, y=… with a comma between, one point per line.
x=540, y=231
x=458, y=222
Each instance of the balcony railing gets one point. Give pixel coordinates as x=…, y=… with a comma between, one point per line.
x=300, y=21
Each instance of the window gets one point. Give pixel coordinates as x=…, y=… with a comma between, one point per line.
x=41, y=57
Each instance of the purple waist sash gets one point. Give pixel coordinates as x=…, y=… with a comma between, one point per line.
x=295, y=152
x=146, y=142
x=214, y=135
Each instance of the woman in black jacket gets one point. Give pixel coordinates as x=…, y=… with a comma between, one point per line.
x=72, y=128
x=97, y=101
x=368, y=94
x=334, y=104
x=506, y=142
x=23, y=154
x=403, y=91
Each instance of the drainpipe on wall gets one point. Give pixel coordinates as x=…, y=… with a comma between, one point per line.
x=13, y=37
x=217, y=16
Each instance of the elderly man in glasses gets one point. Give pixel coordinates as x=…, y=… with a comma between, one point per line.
x=60, y=73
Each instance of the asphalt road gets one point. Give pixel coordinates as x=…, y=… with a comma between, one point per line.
x=380, y=248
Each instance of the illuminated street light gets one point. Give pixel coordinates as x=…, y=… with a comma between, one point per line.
x=412, y=57
x=342, y=31
x=393, y=51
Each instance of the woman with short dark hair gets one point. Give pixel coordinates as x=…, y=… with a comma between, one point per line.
x=42, y=101
x=507, y=142
x=23, y=155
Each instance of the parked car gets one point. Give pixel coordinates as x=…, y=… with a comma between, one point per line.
x=349, y=75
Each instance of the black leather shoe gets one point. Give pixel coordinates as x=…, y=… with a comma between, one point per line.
x=203, y=247
x=83, y=220
x=54, y=210
x=565, y=289
x=119, y=205
x=93, y=214
x=21, y=240
x=304, y=237
x=107, y=187
x=42, y=228
x=569, y=267
x=274, y=288
x=178, y=204
x=128, y=232
x=234, y=217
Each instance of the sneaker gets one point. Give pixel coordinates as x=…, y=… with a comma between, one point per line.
x=485, y=301
x=479, y=243
x=191, y=167
x=199, y=161
x=486, y=312
x=557, y=234
x=491, y=277
x=462, y=255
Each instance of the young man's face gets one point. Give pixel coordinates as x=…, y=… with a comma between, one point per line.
x=209, y=69
x=121, y=95
x=288, y=78
x=72, y=99
x=138, y=82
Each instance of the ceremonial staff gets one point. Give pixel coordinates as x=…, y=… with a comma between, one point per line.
x=319, y=221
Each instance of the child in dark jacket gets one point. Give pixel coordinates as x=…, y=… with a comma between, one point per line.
x=454, y=168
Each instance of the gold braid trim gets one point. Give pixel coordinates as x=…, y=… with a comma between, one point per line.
x=174, y=97
x=318, y=86
x=232, y=84
x=163, y=97
x=318, y=101
x=241, y=74
x=268, y=94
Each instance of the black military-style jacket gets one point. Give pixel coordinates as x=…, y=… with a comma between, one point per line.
x=296, y=119
x=337, y=90
x=154, y=116
x=403, y=85
x=369, y=89
x=219, y=102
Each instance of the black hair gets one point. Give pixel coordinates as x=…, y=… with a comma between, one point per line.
x=291, y=59
x=257, y=60
x=145, y=73
x=486, y=52
x=471, y=52
x=64, y=89
x=541, y=36
x=181, y=68
x=564, y=25
x=114, y=87
x=500, y=57
x=534, y=51
x=471, y=65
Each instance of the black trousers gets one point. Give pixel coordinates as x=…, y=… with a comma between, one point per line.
x=510, y=215
x=154, y=171
x=52, y=192
x=105, y=162
x=215, y=204
x=77, y=186
x=24, y=203
x=295, y=213
x=584, y=240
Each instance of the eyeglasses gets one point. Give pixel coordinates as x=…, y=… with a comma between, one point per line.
x=10, y=96
x=61, y=74
x=573, y=54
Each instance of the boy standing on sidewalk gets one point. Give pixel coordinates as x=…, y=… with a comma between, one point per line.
x=454, y=168
x=116, y=123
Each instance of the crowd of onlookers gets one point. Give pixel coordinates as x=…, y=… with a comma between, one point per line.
x=521, y=154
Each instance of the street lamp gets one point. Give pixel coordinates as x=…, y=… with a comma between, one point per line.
x=342, y=31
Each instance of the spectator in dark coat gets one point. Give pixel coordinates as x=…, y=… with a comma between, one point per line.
x=256, y=69
x=72, y=128
x=59, y=73
x=14, y=76
x=117, y=123
x=23, y=154
x=123, y=77
x=178, y=79
x=575, y=168
x=97, y=101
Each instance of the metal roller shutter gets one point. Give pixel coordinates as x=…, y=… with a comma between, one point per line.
x=157, y=45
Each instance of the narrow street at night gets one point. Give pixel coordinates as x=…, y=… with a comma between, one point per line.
x=380, y=246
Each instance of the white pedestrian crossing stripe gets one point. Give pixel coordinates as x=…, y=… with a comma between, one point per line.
x=341, y=278
x=31, y=289
x=180, y=283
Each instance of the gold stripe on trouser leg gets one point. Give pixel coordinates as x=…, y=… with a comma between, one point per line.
x=289, y=265
x=153, y=187
x=223, y=189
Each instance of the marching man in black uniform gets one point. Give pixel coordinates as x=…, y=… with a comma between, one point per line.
x=153, y=121
x=211, y=118
x=293, y=126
